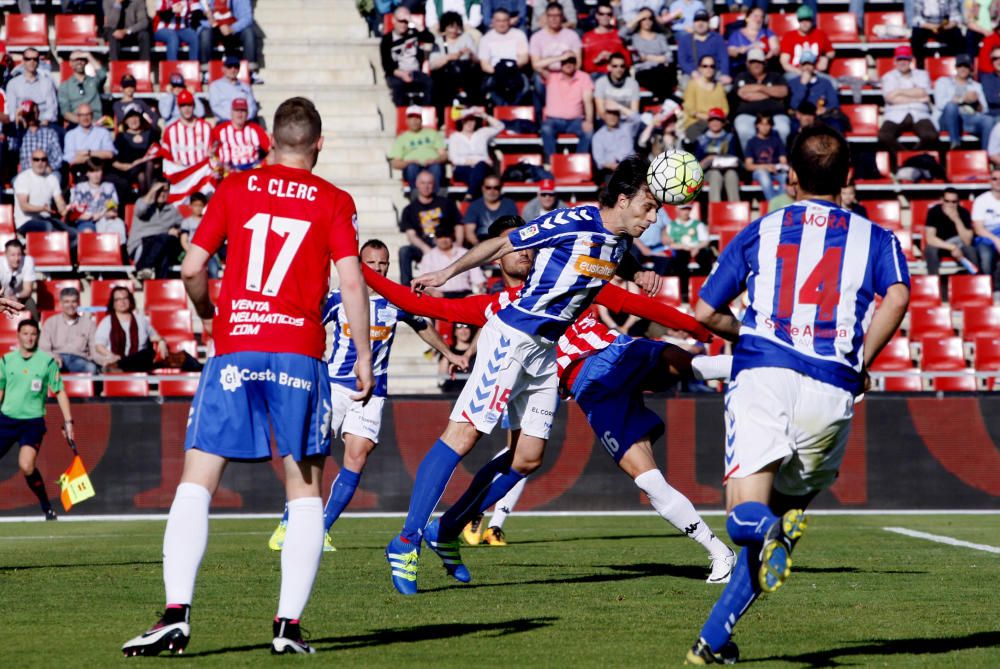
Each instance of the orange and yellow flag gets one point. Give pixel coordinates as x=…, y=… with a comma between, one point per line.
x=75, y=484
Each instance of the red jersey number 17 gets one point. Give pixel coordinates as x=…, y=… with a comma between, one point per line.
x=293, y=230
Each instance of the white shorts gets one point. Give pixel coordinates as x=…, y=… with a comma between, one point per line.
x=515, y=371
x=351, y=417
x=779, y=414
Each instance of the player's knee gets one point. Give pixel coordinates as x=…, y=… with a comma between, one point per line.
x=356, y=459
x=526, y=464
x=26, y=465
x=461, y=437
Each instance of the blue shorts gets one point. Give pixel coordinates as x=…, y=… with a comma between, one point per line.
x=21, y=431
x=239, y=391
x=609, y=389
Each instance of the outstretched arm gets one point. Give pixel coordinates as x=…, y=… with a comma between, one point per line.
x=622, y=301
x=481, y=253
x=470, y=310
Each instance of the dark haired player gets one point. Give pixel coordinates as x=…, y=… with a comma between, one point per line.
x=26, y=377
x=812, y=271
x=283, y=226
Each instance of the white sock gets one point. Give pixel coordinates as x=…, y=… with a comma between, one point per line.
x=300, y=555
x=184, y=541
x=506, y=504
x=712, y=367
x=677, y=510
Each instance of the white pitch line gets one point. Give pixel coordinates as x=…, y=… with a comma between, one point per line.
x=942, y=539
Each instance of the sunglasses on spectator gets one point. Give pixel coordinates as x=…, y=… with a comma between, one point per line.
x=708, y=66
x=605, y=13
x=30, y=59
x=950, y=201
x=992, y=57
x=491, y=187
x=39, y=159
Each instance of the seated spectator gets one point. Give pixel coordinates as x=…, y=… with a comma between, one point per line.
x=517, y=10
x=616, y=89
x=539, y=19
x=230, y=23
x=753, y=35
x=630, y=13
x=239, y=144
x=189, y=226
x=546, y=201
x=133, y=162
x=716, y=151
x=789, y=196
x=87, y=140
x=69, y=336
x=650, y=249
x=569, y=108
x=454, y=65
x=687, y=239
x=660, y=134
x=81, y=88
x=38, y=88
x=695, y=45
x=154, y=241
x=680, y=15
x=35, y=191
x=907, y=93
x=88, y=201
x=503, y=52
x=124, y=340
x=487, y=209
x=126, y=23
x=418, y=149
x=652, y=66
x=962, y=104
x=549, y=48
x=849, y=200
x=949, y=230
x=468, y=149
x=603, y=42
x=174, y=23
x=986, y=226
x=223, y=91
x=186, y=141
x=702, y=95
x=991, y=85
x=470, y=14
x=819, y=91
x=984, y=58
x=128, y=100
x=444, y=252
x=766, y=159
x=17, y=276
x=464, y=346
x=403, y=52
x=940, y=22
x=167, y=103
x=760, y=92
x=420, y=220
x=806, y=39
x=35, y=136
x=614, y=142
x=112, y=223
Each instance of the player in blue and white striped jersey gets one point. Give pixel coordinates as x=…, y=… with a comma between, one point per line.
x=359, y=423
x=812, y=272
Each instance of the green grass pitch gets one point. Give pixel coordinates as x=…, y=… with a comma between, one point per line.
x=567, y=592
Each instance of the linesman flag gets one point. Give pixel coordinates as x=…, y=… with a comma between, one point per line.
x=75, y=484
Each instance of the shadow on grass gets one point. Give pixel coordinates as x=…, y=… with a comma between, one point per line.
x=612, y=537
x=627, y=572
x=829, y=658
x=393, y=635
x=852, y=570
x=7, y=568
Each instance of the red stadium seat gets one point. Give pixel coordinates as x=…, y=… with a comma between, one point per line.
x=694, y=288
x=572, y=168
x=429, y=119
x=940, y=66
x=100, y=290
x=8, y=326
x=980, y=321
x=925, y=290
x=215, y=71
x=904, y=156
x=50, y=250
x=65, y=70
x=189, y=69
x=864, y=119
x=728, y=215
x=895, y=357
x=918, y=215
x=172, y=324
x=911, y=383
x=7, y=219
x=517, y=113
x=126, y=385
x=875, y=19
x=885, y=212
x=671, y=210
x=8, y=342
x=856, y=68
x=47, y=293
x=883, y=66
x=905, y=242
x=728, y=18
x=987, y=357
x=883, y=167
x=670, y=291
x=726, y=235
x=99, y=250
x=182, y=387
x=76, y=30
x=955, y=384
x=129, y=215
x=930, y=322
x=78, y=385
x=970, y=290
x=839, y=26
x=164, y=294
x=24, y=30
x=137, y=68
x=782, y=23
x=942, y=354
x=968, y=166
x=418, y=21
x=511, y=159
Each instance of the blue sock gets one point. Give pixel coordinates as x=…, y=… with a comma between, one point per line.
x=341, y=493
x=739, y=594
x=432, y=478
x=467, y=506
x=284, y=516
x=749, y=522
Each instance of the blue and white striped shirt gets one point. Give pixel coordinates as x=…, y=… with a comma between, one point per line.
x=811, y=272
x=576, y=256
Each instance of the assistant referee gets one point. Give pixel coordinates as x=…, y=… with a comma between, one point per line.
x=26, y=376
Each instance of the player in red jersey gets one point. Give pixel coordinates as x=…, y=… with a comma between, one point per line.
x=283, y=226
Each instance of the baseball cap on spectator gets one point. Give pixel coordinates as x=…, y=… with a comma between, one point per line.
x=903, y=52
x=444, y=230
x=185, y=98
x=28, y=106
x=231, y=61
x=503, y=224
x=240, y=104
x=685, y=205
x=963, y=60
x=176, y=79
x=716, y=113
x=755, y=56
x=128, y=81
x=805, y=14
x=806, y=107
x=807, y=57
x=415, y=110
x=701, y=15
x=546, y=186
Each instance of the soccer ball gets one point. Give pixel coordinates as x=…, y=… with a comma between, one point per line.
x=675, y=177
